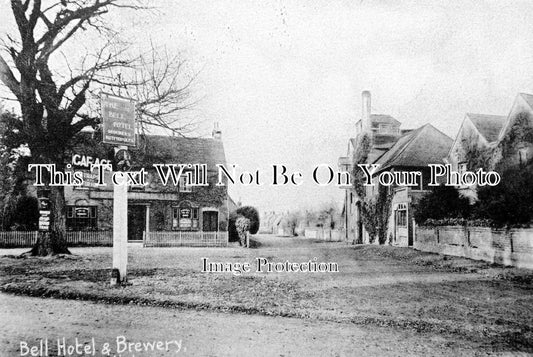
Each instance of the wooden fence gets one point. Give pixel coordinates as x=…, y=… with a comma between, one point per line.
x=186, y=239
x=25, y=239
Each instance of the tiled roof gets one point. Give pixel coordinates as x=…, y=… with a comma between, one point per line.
x=172, y=150
x=488, y=125
x=377, y=119
x=383, y=118
x=528, y=98
x=423, y=146
x=158, y=149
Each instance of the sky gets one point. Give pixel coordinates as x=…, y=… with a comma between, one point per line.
x=284, y=78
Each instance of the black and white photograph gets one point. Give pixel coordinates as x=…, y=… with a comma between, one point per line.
x=266, y=178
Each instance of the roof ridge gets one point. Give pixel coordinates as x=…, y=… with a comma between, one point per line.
x=487, y=115
x=413, y=134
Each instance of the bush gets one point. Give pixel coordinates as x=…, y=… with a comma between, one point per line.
x=510, y=203
x=233, y=236
x=26, y=214
x=252, y=214
x=247, y=212
x=442, y=202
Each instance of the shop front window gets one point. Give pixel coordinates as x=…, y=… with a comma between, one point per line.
x=185, y=217
x=81, y=218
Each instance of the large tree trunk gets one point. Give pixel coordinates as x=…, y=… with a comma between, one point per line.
x=53, y=242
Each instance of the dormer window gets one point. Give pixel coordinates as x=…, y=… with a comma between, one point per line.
x=387, y=129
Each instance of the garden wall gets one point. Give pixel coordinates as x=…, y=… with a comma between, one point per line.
x=508, y=247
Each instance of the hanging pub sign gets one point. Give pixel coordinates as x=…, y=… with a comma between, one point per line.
x=118, y=120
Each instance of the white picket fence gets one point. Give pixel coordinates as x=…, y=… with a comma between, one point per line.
x=22, y=239
x=186, y=239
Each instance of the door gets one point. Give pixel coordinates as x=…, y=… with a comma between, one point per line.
x=136, y=222
x=210, y=221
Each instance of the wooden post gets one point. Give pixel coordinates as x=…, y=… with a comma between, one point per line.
x=120, y=231
x=147, y=229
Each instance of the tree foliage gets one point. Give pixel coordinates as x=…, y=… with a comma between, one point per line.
x=252, y=214
x=510, y=202
x=53, y=85
x=248, y=212
x=442, y=202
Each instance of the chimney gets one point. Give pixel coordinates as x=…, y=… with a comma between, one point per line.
x=365, y=115
x=217, y=133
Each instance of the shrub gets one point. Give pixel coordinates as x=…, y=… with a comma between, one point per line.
x=252, y=214
x=510, y=203
x=247, y=212
x=233, y=236
x=442, y=202
x=26, y=214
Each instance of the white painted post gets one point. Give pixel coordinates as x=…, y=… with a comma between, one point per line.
x=120, y=230
x=147, y=227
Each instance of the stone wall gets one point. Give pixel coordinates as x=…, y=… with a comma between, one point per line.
x=508, y=247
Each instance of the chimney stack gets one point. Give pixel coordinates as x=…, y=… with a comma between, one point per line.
x=217, y=133
x=365, y=115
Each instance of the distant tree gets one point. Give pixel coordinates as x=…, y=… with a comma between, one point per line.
x=291, y=222
x=442, y=202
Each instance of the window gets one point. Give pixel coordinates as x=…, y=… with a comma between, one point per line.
x=387, y=129
x=185, y=217
x=81, y=218
x=462, y=168
x=183, y=185
x=401, y=215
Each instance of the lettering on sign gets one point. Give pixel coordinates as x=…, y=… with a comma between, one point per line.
x=118, y=120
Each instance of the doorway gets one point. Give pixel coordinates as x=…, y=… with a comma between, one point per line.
x=210, y=221
x=136, y=223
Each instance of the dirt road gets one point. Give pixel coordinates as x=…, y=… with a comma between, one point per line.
x=30, y=320
x=383, y=301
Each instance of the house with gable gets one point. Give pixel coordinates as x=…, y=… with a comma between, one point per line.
x=377, y=133
x=394, y=149
x=413, y=152
x=493, y=142
x=155, y=207
x=477, y=135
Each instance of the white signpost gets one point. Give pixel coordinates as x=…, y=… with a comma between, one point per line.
x=118, y=128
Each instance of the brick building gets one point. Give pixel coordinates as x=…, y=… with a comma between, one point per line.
x=152, y=207
x=394, y=149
